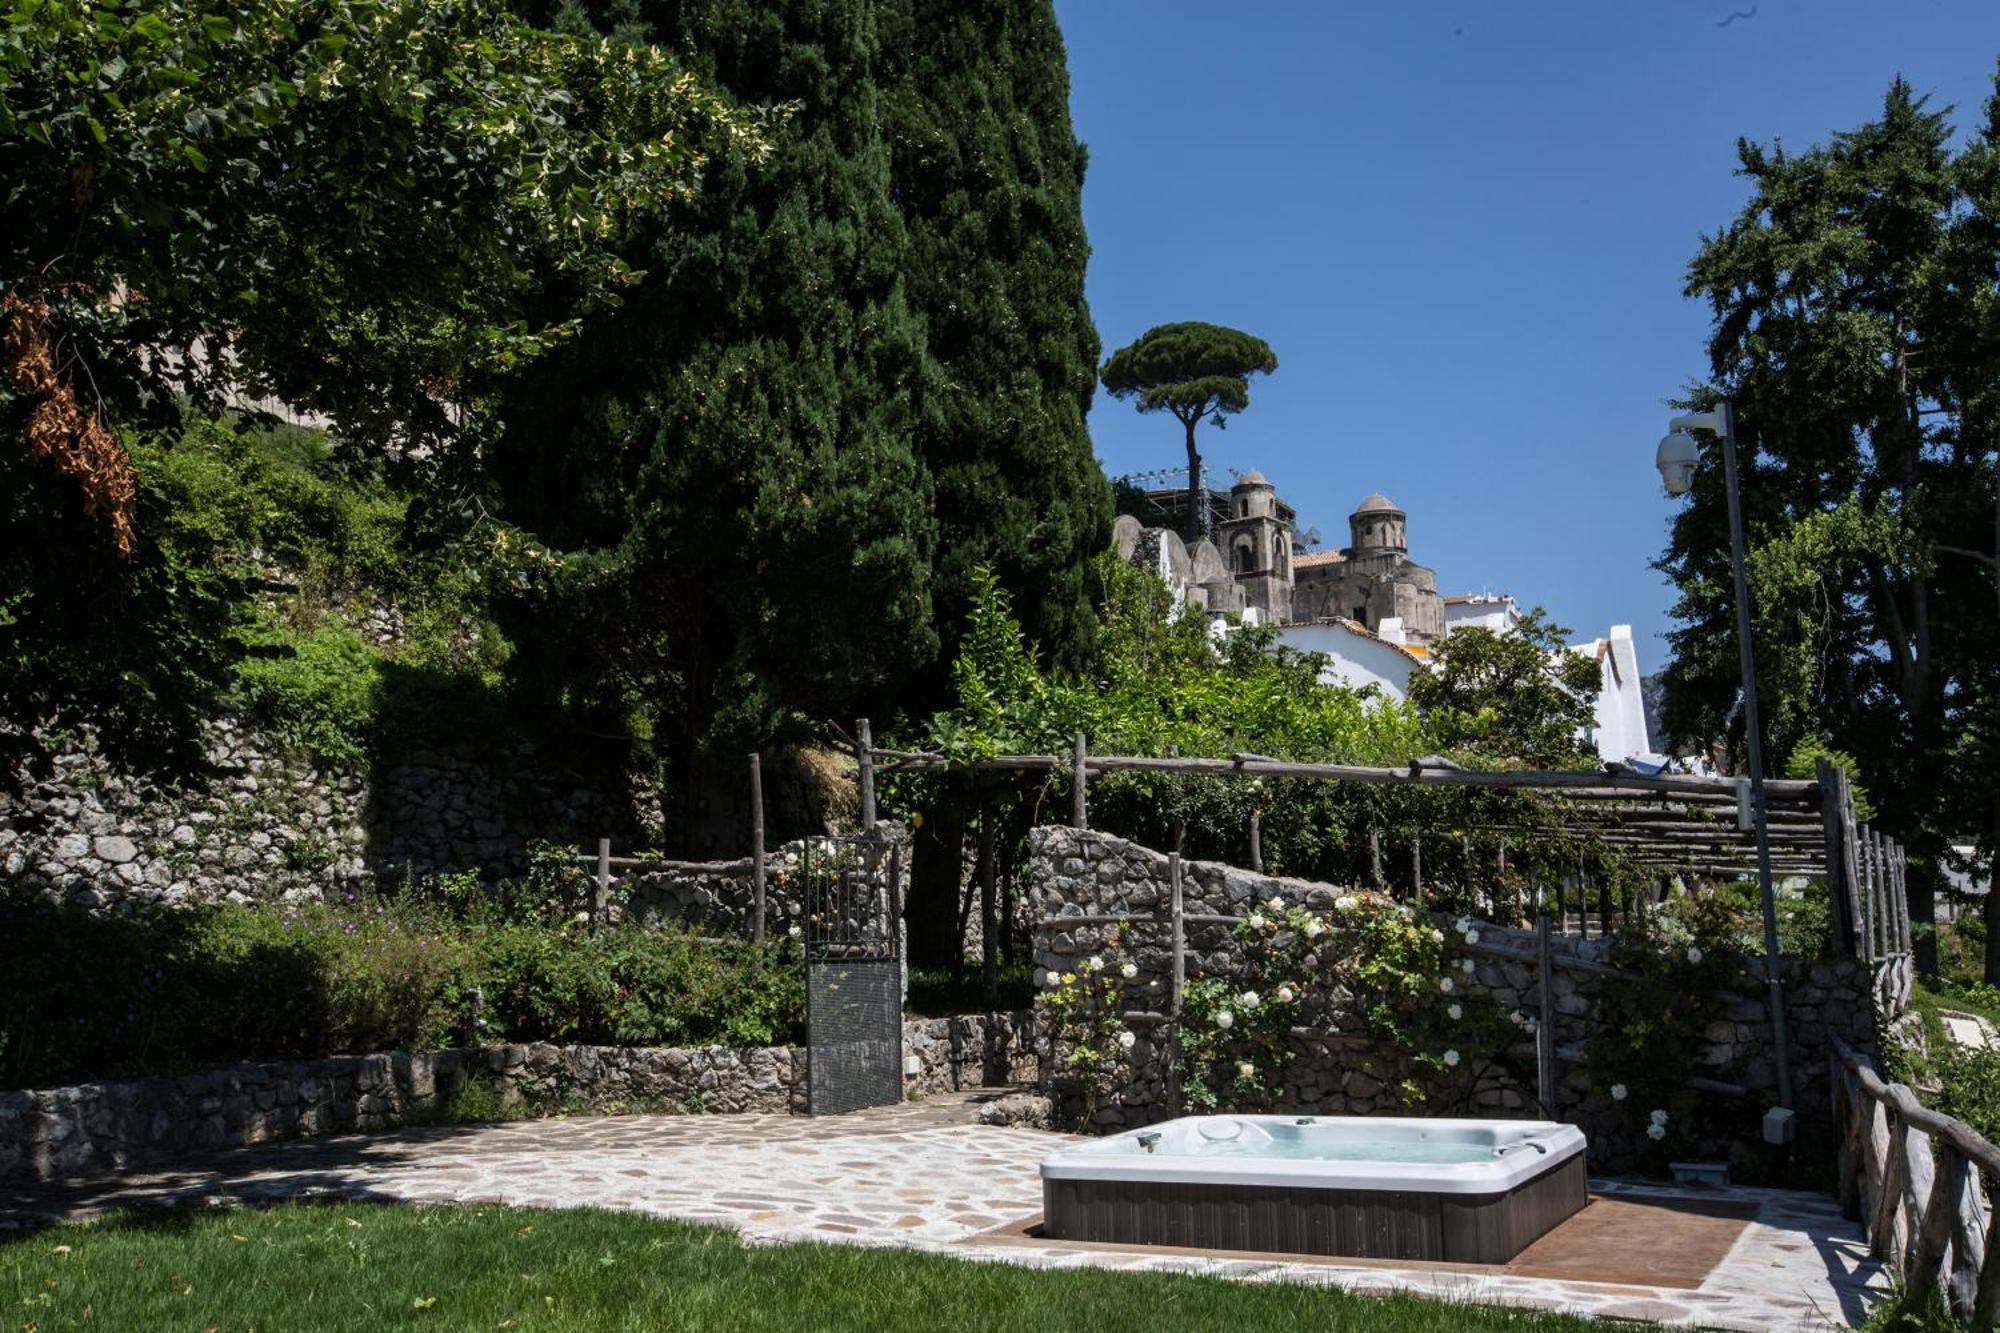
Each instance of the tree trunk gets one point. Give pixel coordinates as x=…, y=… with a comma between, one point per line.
x=1196, y=500
x=936, y=865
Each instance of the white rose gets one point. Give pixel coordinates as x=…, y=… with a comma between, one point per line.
x=1052, y=978
x=1126, y=1039
x=1656, y=1132
x=1472, y=937
x=1256, y=921
x=1344, y=903
x=582, y=917
x=1466, y=966
x=1314, y=929
x=1225, y=1019
x=1445, y=984
x=795, y=932
x=1462, y=925
x=1249, y=999
x=1276, y=904
x=1694, y=953
x=1284, y=995
x=1093, y=964
x=1128, y=971
x=1619, y=1092
x=1437, y=936
x=1451, y=1059
x=1517, y=1018
x=1246, y=1070
x=1658, y=1117
x=1454, y=1011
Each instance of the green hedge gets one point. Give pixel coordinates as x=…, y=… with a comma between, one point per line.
x=91, y=997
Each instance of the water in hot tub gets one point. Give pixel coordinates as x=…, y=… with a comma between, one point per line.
x=1310, y=1141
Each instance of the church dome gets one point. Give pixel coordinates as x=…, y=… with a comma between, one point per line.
x=1251, y=478
x=1377, y=503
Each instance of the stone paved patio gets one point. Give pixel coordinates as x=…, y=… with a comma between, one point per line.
x=927, y=1176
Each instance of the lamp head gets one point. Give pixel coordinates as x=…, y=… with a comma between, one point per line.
x=1676, y=459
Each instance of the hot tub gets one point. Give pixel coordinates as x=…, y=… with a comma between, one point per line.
x=1461, y=1191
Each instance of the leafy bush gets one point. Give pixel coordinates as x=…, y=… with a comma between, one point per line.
x=317, y=690
x=92, y=997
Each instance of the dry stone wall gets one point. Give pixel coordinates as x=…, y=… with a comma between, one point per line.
x=267, y=823
x=104, y=1128
x=1074, y=873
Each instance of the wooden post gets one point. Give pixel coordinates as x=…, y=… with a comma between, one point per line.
x=1177, y=982
x=1257, y=842
x=1375, y=852
x=1604, y=896
x=1833, y=798
x=864, y=747
x=600, y=903
x=756, y=848
x=1080, y=816
x=1934, y=1225
x=1582, y=901
x=1417, y=867
x=1545, y=1026
x=989, y=916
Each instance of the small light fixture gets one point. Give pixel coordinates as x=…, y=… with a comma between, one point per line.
x=1676, y=459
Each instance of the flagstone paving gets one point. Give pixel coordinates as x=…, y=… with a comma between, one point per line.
x=927, y=1176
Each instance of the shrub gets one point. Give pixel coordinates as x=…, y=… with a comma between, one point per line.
x=92, y=997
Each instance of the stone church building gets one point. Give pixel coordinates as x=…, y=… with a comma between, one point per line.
x=1249, y=566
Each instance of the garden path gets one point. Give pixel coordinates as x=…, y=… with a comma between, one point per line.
x=927, y=1176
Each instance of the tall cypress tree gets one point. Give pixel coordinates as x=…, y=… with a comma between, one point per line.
x=988, y=175
x=728, y=459
x=860, y=372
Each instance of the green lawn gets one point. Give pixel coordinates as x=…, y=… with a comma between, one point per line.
x=309, y=1266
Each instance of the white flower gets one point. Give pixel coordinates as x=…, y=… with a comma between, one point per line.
x=1455, y=1011
x=1276, y=904
x=1466, y=966
x=1128, y=971
x=1284, y=995
x=1051, y=978
x=795, y=932
x=1517, y=1018
x=1126, y=1039
x=1225, y=1019
x=1344, y=903
x=582, y=918
x=1249, y=999
x=1446, y=984
x=1246, y=1070
x=1256, y=921
x=1094, y=963
x=1451, y=1059
x=1656, y=1132
x=1472, y=937
x=1531, y=1025
x=1658, y=1117
x=1462, y=925
x=1437, y=936
x=1314, y=929
x=1694, y=953
x=1619, y=1092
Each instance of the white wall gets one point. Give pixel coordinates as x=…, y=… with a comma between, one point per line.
x=1620, y=730
x=1496, y=612
x=1354, y=657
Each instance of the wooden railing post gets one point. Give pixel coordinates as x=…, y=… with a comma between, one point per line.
x=1934, y=1228
x=1177, y=980
x=1835, y=803
x=1256, y=842
x=865, y=753
x=600, y=902
x=757, y=848
x=1545, y=1024
x=1080, y=815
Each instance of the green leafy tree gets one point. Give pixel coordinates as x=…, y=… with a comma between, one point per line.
x=1194, y=371
x=1520, y=696
x=1854, y=333
x=371, y=210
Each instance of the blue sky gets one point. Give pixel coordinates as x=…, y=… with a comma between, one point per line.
x=1463, y=228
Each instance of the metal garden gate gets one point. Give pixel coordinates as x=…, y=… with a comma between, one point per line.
x=854, y=973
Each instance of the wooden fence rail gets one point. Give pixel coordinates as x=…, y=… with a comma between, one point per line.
x=1918, y=1182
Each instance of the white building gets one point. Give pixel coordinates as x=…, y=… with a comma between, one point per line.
x=1485, y=610
x=1620, y=731
x=1354, y=656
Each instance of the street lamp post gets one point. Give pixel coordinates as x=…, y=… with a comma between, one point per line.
x=1677, y=455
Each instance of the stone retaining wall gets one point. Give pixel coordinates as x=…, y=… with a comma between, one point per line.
x=1080, y=873
x=264, y=822
x=103, y=1128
